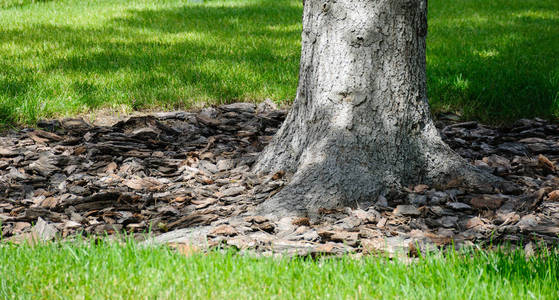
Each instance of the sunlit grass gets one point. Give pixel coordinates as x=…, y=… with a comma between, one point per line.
x=128, y=271
x=494, y=60
x=67, y=57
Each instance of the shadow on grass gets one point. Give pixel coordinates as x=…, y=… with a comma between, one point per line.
x=495, y=61
x=492, y=60
x=6, y=4
x=249, y=41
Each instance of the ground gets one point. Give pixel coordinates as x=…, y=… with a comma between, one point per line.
x=185, y=177
x=177, y=184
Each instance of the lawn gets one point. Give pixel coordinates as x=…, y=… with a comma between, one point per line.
x=493, y=60
x=112, y=271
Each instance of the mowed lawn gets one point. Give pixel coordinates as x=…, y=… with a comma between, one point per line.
x=494, y=60
x=113, y=271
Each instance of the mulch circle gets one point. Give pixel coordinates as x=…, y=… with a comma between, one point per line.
x=185, y=177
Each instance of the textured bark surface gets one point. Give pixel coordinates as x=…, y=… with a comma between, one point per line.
x=360, y=123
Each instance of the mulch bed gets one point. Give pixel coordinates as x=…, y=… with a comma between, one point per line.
x=185, y=177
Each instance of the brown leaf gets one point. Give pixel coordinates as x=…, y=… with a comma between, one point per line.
x=20, y=226
x=553, y=196
x=204, y=180
x=545, y=163
x=304, y=221
x=349, y=238
x=420, y=188
x=80, y=150
x=438, y=239
x=487, y=201
x=49, y=202
x=327, y=248
x=111, y=167
x=278, y=175
x=224, y=230
x=182, y=198
x=373, y=246
x=267, y=227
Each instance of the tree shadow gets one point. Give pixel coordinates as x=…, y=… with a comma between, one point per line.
x=495, y=63
x=200, y=40
x=7, y=4
x=12, y=86
x=248, y=19
x=490, y=69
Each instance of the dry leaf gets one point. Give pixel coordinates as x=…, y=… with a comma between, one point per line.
x=304, y=221
x=420, y=188
x=546, y=163
x=553, y=196
x=278, y=175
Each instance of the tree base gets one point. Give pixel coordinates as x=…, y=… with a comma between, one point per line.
x=360, y=124
x=312, y=189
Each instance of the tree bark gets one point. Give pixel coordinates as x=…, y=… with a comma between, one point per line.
x=360, y=124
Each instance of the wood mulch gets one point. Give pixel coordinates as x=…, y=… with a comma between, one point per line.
x=185, y=177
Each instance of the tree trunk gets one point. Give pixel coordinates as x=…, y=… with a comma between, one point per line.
x=360, y=124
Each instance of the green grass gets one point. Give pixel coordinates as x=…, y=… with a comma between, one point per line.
x=112, y=271
x=67, y=57
x=494, y=60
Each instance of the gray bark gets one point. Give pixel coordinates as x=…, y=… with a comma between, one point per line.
x=360, y=123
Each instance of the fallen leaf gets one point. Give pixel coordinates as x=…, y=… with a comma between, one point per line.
x=49, y=202
x=546, y=163
x=224, y=230
x=553, y=196
x=111, y=167
x=278, y=175
x=327, y=248
x=420, y=188
x=487, y=201
x=303, y=221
